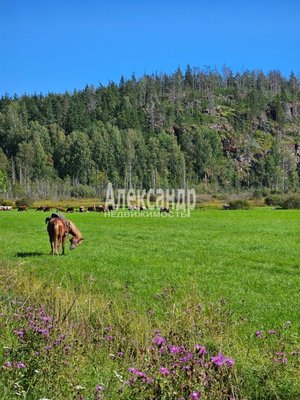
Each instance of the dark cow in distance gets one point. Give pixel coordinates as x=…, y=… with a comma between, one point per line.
x=165, y=210
x=22, y=208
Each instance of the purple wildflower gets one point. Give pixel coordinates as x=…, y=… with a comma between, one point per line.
x=164, y=371
x=20, y=333
x=272, y=332
x=259, y=334
x=136, y=372
x=188, y=357
x=20, y=365
x=229, y=362
x=120, y=354
x=99, y=388
x=174, y=349
x=218, y=360
x=7, y=364
x=159, y=340
x=195, y=395
x=201, y=350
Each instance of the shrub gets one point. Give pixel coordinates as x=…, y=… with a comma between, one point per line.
x=274, y=200
x=24, y=201
x=6, y=202
x=292, y=202
x=239, y=205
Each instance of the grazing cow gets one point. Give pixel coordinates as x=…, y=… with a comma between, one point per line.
x=164, y=210
x=101, y=209
x=70, y=210
x=47, y=209
x=110, y=207
x=82, y=209
x=60, y=209
x=91, y=208
x=22, y=208
x=58, y=229
x=226, y=207
x=6, y=208
x=40, y=208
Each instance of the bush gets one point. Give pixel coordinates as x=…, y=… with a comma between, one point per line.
x=292, y=202
x=6, y=202
x=239, y=205
x=24, y=201
x=274, y=200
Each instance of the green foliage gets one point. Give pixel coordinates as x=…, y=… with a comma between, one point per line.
x=274, y=200
x=5, y=202
x=3, y=182
x=292, y=202
x=239, y=205
x=24, y=201
x=81, y=191
x=156, y=131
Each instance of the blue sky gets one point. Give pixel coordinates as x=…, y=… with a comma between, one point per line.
x=54, y=46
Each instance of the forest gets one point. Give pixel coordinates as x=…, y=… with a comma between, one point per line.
x=216, y=131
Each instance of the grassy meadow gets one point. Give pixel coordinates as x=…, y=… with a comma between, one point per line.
x=225, y=281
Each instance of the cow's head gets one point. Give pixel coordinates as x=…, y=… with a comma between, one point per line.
x=75, y=241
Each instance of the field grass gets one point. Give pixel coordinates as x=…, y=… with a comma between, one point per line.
x=242, y=267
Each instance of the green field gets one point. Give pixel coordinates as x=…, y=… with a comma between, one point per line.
x=240, y=265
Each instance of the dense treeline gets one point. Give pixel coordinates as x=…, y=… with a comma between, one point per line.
x=201, y=128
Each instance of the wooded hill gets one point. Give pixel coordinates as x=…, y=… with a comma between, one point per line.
x=198, y=128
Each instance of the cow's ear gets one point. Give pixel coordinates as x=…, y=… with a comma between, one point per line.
x=80, y=240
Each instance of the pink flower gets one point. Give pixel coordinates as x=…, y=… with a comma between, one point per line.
x=200, y=349
x=195, y=395
x=229, y=361
x=220, y=360
x=164, y=371
x=20, y=365
x=259, y=334
x=159, y=340
x=174, y=349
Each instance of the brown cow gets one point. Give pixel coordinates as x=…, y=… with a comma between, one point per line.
x=58, y=230
x=23, y=208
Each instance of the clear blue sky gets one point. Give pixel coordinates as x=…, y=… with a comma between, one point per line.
x=59, y=45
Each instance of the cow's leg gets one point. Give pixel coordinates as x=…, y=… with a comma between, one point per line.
x=63, y=240
x=56, y=246
x=52, y=247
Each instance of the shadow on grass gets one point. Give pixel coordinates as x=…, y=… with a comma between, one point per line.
x=29, y=254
